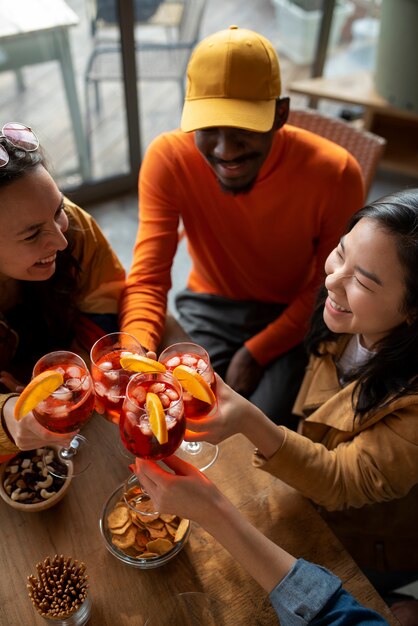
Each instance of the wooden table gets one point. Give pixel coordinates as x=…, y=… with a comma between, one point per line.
x=398, y=126
x=122, y=595
x=37, y=31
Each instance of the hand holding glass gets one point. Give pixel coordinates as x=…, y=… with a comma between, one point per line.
x=195, y=358
x=151, y=425
x=69, y=407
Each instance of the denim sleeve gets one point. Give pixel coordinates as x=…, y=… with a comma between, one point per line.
x=310, y=594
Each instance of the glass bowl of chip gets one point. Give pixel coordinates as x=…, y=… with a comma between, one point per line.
x=27, y=485
x=142, y=541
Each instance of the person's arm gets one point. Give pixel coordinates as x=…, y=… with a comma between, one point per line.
x=301, y=593
x=356, y=472
x=235, y=415
x=311, y=594
x=144, y=301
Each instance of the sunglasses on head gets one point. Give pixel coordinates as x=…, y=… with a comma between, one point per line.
x=19, y=136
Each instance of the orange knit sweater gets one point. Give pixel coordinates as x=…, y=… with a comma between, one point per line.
x=267, y=245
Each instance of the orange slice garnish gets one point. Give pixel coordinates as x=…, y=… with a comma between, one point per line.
x=194, y=383
x=139, y=363
x=156, y=417
x=37, y=390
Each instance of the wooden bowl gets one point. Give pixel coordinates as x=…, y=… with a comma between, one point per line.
x=55, y=486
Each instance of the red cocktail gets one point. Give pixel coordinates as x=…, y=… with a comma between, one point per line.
x=110, y=378
x=198, y=362
x=71, y=405
x=135, y=426
x=67, y=408
x=191, y=364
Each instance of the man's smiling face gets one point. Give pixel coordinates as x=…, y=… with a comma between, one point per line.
x=237, y=155
x=234, y=154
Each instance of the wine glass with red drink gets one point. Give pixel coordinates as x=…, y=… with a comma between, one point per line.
x=151, y=426
x=68, y=408
x=191, y=363
x=110, y=378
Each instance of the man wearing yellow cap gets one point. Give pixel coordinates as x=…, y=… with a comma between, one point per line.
x=262, y=204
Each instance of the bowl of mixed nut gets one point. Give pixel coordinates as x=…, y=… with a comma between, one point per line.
x=27, y=485
x=143, y=541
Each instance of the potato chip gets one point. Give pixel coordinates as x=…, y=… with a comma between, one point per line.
x=181, y=530
x=146, y=519
x=122, y=529
x=138, y=522
x=118, y=517
x=156, y=523
x=126, y=540
x=134, y=551
x=171, y=530
x=141, y=539
x=167, y=517
x=155, y=533
x=147, y=555
x=161, y=546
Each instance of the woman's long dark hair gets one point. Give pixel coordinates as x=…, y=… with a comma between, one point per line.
x=46, y=312
x=393, y=370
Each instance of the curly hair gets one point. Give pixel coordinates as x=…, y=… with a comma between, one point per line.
x=393, y=369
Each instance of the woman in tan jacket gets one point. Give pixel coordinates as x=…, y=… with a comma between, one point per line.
x=356, y=452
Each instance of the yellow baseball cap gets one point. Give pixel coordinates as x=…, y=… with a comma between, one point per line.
x=233, y=79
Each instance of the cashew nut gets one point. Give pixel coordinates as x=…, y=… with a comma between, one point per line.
x=49, y=457
x=16, y=493
x=45, y=483
x=47, y=494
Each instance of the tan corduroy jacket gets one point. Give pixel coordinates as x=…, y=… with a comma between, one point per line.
x=363, y=475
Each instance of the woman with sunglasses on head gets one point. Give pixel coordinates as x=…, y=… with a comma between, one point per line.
x=356, y=451
x=59, y=278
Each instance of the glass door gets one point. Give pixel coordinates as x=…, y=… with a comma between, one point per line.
x=89, y=130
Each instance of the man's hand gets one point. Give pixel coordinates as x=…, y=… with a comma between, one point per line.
x=243, y=373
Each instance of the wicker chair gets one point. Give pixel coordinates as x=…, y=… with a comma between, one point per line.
x=367, y=148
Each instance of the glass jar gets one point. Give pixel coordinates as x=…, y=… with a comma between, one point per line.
x=79, y=618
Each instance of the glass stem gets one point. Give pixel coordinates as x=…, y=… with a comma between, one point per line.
x=68, y=453
x=193, y=447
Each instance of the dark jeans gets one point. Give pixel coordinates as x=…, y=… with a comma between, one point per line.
x=222, y=326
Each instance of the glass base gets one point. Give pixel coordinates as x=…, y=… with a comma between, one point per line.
x=77, y=452
x=200, y=454
x=191, y=608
